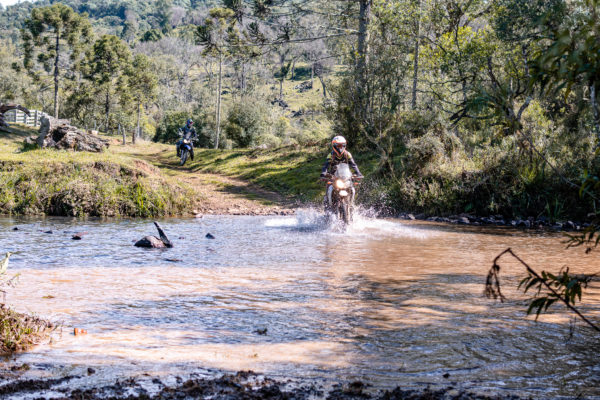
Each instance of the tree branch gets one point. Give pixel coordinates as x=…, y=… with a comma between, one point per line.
x=493, y=285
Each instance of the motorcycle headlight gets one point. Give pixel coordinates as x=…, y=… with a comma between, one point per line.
x=340, y=184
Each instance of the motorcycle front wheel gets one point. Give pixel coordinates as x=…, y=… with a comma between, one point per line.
x=184, y=156
x=345, y=212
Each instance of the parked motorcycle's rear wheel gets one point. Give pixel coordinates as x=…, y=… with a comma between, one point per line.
x=184, y=156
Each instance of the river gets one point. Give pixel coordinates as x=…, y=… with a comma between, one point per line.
x=387, y=302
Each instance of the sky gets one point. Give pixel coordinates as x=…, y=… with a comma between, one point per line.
x=8, y=2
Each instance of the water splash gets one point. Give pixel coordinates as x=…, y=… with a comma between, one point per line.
x=364, y=223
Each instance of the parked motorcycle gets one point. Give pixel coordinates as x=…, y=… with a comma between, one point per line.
x=340, y=193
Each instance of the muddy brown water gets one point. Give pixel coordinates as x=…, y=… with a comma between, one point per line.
x=387, y=302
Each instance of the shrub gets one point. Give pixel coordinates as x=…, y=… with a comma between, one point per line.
x=167, y=131
x=246, y=120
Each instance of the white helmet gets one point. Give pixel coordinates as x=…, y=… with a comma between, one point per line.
x=339, y=145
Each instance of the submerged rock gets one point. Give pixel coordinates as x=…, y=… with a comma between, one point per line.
x=78, y=235
x=150, y=242
x=153, y=241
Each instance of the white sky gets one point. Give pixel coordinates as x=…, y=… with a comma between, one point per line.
x=8, y=2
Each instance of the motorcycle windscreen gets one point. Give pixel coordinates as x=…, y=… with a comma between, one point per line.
x=343, y=171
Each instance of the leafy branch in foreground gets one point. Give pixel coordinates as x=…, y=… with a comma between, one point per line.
x=5, y=281
x=563, y=287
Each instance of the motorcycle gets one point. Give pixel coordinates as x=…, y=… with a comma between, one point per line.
x=340, y=193
x=185, y=148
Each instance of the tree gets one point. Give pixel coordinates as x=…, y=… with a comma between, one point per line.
x=163, y=15
x=245, y=122
x=130, y=27
x=107, y=66
x=143, y=84
x=573, y=57
x=217, y=35
x=52, y=33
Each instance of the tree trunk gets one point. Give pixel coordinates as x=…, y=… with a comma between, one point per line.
x=107, y=109
x=243, y=77
x=137, y=129
x=595, y=111
x=312, y=74
x=56, y=59
x=323, y=85
x=363, y=54
x=293, y=68
x=218, y=127
x=281, y=89
x=416, y=61
x=122, y=131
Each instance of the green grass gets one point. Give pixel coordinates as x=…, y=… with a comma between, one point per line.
x=111, y=183
x=19, y=332
x=290, y=170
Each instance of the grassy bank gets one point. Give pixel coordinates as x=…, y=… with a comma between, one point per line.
x=494, y=183
x=19, y=332
x=45, y=181
x=290, y=170
x=145, y=180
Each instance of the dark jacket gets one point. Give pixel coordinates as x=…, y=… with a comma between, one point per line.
x=188, y=132
x=333, y=160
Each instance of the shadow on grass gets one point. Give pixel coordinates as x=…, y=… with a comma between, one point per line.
x=301, y=74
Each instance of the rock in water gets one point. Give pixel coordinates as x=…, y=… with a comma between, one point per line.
x=153, y=241
x=150, y=242
x=209, y=236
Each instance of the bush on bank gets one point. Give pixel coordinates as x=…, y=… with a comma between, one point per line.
x=19, y=332
x=98, y=188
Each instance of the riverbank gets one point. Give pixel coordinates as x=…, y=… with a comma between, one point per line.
x=145, y=180
x=246, y=385
x=124, y=181
x=292, y=172
x=20, y=332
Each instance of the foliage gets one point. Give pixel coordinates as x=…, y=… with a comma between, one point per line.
x=143, y=84
x=245, y=122
x=563, y=287
x=477, y=106
x=168, y=129
x=20, y=332
x=49, y=35
x=106, y=68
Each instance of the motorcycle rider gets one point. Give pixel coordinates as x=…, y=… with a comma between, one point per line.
x=338, y=155
x=188, y=132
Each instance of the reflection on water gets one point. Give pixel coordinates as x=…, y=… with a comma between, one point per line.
x=388, y=302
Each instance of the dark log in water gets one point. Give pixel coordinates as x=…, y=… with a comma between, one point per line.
x=153, y=241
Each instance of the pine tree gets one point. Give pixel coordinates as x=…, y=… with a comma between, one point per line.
x=50, y=35
x=143, y=83
x=107, y=66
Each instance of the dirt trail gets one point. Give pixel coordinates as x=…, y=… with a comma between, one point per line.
x=218, y=194
x=224, y=195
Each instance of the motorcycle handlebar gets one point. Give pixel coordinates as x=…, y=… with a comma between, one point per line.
x=327, y=177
